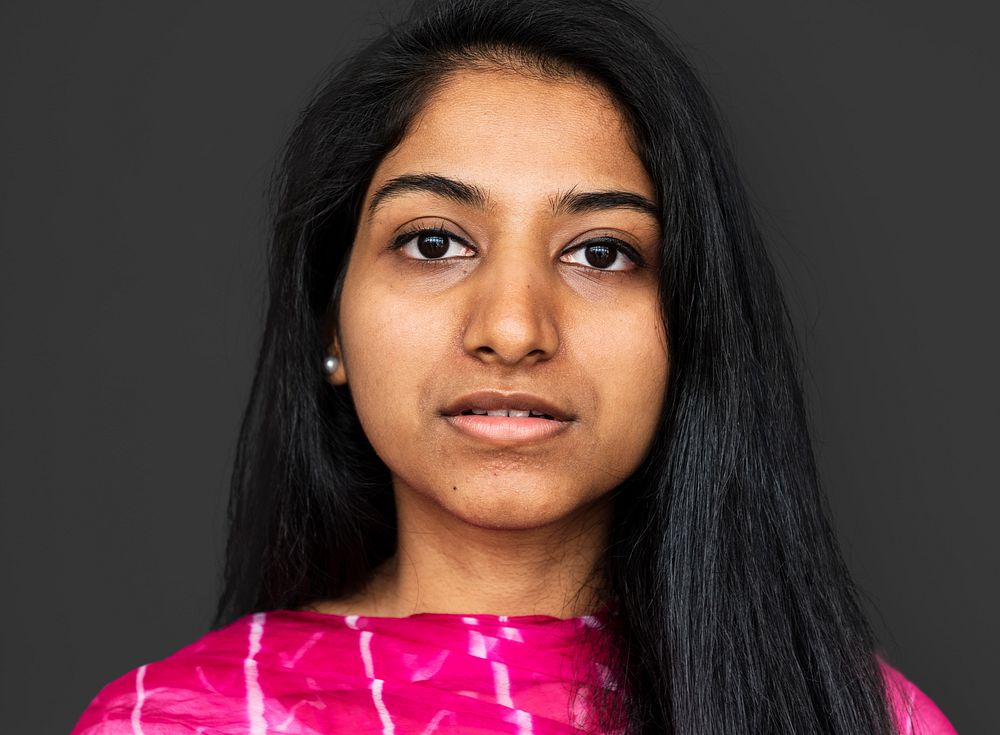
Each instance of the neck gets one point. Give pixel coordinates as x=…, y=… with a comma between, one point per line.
x=446, y=565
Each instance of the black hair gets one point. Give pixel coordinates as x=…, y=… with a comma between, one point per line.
x=735, y=612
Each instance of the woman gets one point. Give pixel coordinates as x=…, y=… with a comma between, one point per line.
x=526, y=449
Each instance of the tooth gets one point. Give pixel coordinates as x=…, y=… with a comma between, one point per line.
x=519, y=413
x=496, y=413
x=478, y=412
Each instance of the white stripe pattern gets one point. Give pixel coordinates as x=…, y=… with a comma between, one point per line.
x=284, y=724
x=303, y=649
x=255, y=697
x=140, y=697
x=432, y=726
x=501, y=683
x=523, y=721
x=477, y=644
x=388, y=728
x=205, y=682
x=511, y=634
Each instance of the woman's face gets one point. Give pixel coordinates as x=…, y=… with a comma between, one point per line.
x=506, y=260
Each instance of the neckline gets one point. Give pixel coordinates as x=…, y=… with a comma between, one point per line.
x=598, y=618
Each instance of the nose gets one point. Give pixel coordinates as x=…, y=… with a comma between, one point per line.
x=513, y=317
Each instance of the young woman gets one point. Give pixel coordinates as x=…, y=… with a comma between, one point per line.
x=526, y=449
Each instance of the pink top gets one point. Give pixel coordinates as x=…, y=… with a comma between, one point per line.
x=308, y=673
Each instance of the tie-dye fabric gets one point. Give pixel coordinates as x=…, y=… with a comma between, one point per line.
x=307, y=673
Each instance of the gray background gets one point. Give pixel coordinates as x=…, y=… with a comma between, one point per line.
x=134, y=145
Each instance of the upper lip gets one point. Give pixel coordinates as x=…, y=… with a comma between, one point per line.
x=494, y=400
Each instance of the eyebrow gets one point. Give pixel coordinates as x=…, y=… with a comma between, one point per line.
x=572, y=201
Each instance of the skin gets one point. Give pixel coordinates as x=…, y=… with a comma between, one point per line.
x=484, y=527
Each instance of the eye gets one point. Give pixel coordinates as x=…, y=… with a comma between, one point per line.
x=603, y=253
x=432, y=243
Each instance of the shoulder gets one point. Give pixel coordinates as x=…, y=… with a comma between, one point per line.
x=121, y=702
x=915, y=712
x=201, y=687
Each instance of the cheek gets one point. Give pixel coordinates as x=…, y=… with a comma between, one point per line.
x=388, y=345
x=631, y=370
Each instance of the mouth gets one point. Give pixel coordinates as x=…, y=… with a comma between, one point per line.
x=506, y=419
x=510, y=413
x=511, y=405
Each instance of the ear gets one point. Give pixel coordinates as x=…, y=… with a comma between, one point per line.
x=339, y=375
x=330, y=328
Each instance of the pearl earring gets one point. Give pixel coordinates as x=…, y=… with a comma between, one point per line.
x=330, y=365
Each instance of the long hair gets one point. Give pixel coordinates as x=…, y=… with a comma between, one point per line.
x=735, y=611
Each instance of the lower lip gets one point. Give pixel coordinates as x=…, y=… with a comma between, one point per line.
x=508, y=429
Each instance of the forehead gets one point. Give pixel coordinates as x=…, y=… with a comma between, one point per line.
x=520, y=136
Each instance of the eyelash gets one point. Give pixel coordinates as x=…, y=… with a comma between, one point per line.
x=406, y=236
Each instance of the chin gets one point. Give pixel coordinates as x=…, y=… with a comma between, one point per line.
x=501, y=493
x=514, y=506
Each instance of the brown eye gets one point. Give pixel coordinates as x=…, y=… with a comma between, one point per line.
x=433, y=244
x=600, y=255
x=606, y=254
